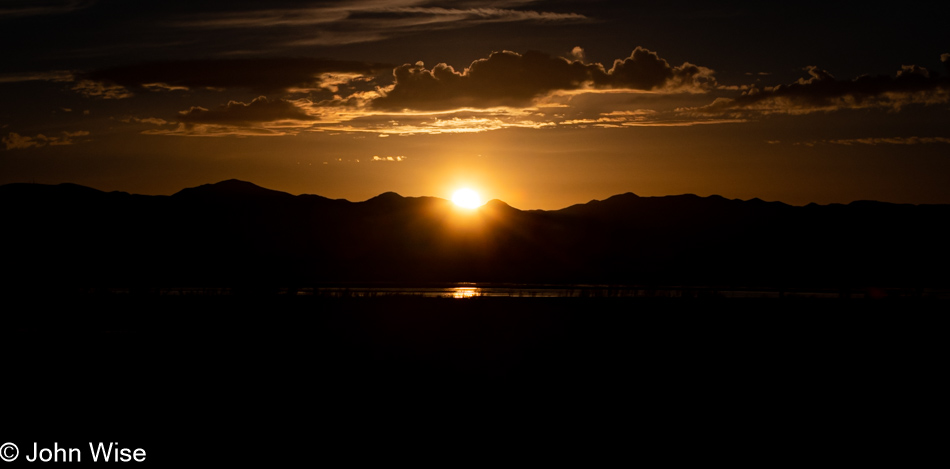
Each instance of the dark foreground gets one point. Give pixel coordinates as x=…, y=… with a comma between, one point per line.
x=279, y=380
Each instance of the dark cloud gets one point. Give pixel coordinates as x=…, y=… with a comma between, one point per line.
x=257, y=75
x=504, y=78
x=512, y=79
x=237, y=113
x=645, y=70
x=22, y=8
x=823, y=92
x=913, y=70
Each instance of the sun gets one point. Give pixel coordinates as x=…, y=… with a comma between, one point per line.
x=466, y=198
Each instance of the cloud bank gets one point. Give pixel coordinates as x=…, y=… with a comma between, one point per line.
x=285, y=96
x=822, y=92
x=505, y=89
x=511, y=79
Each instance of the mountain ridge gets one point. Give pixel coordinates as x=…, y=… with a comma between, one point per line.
x=238, y=233
x=237, y=187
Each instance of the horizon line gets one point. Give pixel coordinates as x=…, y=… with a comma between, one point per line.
x=628, y=193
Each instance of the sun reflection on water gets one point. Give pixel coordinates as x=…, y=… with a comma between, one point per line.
x=466, y=292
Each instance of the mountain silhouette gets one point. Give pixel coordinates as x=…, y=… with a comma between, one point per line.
x=230, y=189
x=234, y=233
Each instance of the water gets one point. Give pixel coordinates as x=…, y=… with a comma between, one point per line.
x=473, y=290
x=466, y=291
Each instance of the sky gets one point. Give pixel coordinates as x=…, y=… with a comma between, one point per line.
x=542, y=104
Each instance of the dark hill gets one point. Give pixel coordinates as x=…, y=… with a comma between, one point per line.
x=232, y=188
x=235, y=233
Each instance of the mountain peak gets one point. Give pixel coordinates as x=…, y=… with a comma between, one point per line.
x=497, y=205
x=229, y=188
x=236, y=185
x=627, y=196
x=386, y=196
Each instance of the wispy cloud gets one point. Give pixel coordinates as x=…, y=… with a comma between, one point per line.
x=379, y=14
x=259, y=117
x=890, y=141
x=15, y=141
x=54, y=76
x=388, y=159
x=21, y=8
x=373, y=20
x=869, y=141
x=642, y=118
x=102, y=90
x=258, y=75
x=238, y=113
x=145, y=120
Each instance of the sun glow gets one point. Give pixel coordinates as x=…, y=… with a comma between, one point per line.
x=466, y=198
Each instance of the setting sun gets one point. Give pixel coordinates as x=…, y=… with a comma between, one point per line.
x=466, y=198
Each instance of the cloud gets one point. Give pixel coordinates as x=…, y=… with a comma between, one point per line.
x=613, y=118
x=504, y=90
x=389, y=158
x=822, y=92
x=215, y=130
x=364, y=12
x=260, y=117
x=146, y=120
x=641, y=118
x=890, y=141
x=511, y=79
x=19, y=9
x=452, y=122
x=259, y=110
x=645, y=70
x=577, y=53
x=258, y=75
x=54, y=76
x=163, y=87
x=913, y=70
x=15, y=141
x=431, y=15
x=503, y=79
x=373, y=20
x=102, y=90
